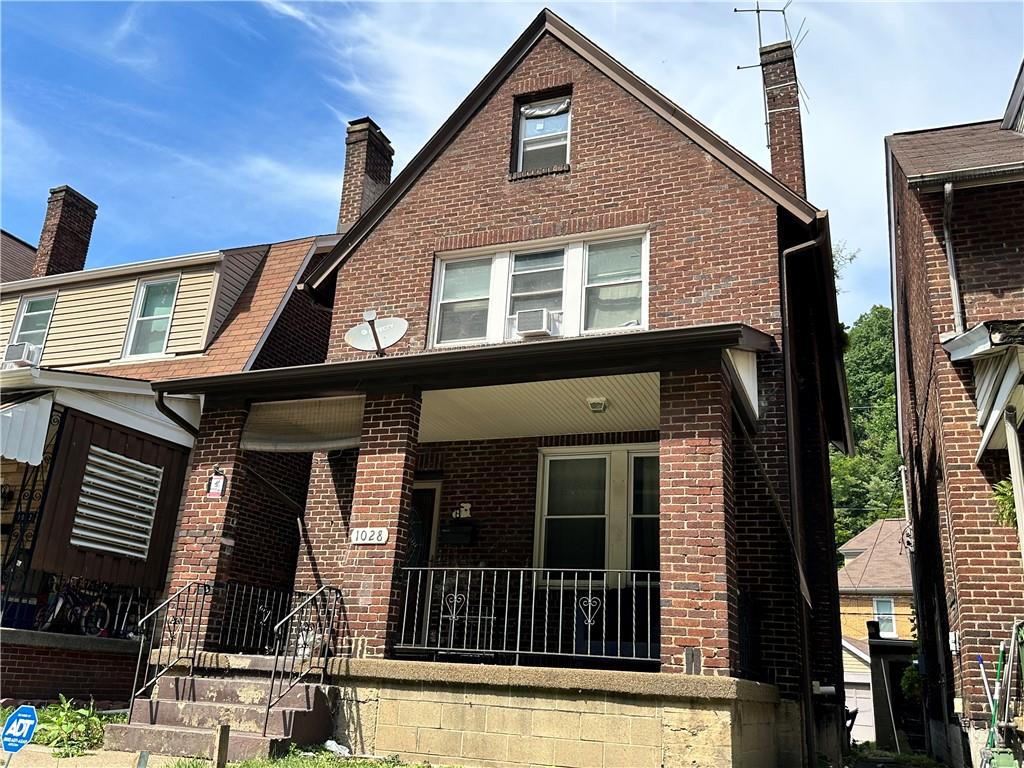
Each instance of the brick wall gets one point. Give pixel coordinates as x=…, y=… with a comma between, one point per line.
x=699, y=588
x=633, y=169
x=970, y=567
x=39, y=672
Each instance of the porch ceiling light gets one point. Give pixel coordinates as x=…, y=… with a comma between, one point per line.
x=597, y=404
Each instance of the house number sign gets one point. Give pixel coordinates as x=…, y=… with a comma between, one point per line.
x=369, y=535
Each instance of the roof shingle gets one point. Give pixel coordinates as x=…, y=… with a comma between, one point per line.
x=956, y=148
x=883, y=564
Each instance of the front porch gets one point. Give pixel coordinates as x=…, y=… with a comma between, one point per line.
x=529, y=518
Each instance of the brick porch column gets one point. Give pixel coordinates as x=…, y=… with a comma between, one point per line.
x=204, y=538
x=381, y=497
x=699, y=589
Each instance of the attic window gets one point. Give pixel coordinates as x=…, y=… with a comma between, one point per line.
x=543, y=135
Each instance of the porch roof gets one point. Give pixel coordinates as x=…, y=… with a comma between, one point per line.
x=634, y=352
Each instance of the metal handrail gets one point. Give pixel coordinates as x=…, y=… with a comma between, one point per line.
x=287, y=648
x=186, y=651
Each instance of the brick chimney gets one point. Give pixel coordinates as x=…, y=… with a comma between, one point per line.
x=785, y=135
x=368, y=156
x=64, y=241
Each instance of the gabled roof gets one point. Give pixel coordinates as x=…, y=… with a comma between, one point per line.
x=548, y=23
x=877, y=562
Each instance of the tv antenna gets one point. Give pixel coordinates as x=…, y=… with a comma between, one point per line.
x=794, y=40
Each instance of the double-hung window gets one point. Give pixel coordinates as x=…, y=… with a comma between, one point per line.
x=885, y=615
x=581, y=286
x=151, y=317
x=614, y=285
x=537, y=283
x=598, y=509
x=544, y=134
x=34, y=320
x=464, y=298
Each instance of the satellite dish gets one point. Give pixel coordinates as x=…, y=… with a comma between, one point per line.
x=375, y=335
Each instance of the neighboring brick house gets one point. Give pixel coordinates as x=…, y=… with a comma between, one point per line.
x=956, y=208
x=595, y=436
x=874, y=585
x=94, y=462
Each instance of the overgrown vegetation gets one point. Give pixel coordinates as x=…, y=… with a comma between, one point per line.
x=1006, y=514
x=866, y=486
x=69, y=728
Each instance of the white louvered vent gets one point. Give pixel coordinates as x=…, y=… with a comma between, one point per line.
x=116, y=505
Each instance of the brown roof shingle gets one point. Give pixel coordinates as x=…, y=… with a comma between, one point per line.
x=883, y=564
x=956, y=148
x=234, y=344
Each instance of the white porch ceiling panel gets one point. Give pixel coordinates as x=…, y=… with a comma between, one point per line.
x=556, y=407
x=23, y=428
x=323, y=424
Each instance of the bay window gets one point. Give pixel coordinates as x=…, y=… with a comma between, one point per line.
x=570, y=286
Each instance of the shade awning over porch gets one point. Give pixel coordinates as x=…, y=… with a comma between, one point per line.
x=24, y=422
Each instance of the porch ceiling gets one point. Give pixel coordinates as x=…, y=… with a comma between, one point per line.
x=558, y=407
x=541, y=408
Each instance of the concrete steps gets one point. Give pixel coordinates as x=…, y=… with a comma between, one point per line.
x=181, y=716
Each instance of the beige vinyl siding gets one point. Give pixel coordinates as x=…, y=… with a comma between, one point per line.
x=89, y=323
x=8, y=309
x=191, y=312
x=235, y=272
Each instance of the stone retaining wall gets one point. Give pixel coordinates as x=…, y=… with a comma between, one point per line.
x=489, y=716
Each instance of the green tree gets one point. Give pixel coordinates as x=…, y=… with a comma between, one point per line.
x=866, y=486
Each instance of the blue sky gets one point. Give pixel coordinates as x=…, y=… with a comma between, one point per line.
x=197, y=126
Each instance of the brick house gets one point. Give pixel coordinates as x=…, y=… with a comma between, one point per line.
x=956, y=211
x=569, y=501
x=93, y=461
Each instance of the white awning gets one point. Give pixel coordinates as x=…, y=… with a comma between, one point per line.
x=24, y=422
x=301, y=426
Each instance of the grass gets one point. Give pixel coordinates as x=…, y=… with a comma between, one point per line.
x=68, y=728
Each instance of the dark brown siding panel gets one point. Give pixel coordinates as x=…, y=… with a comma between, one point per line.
x=55, y=552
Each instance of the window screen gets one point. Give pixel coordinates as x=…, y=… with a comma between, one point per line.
x=116, y=505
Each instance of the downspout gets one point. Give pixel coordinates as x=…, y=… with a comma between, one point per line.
x=947, y=228
x=174, y=416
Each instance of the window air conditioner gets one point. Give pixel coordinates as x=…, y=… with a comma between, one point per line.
x=22, y=355
x=534, y=322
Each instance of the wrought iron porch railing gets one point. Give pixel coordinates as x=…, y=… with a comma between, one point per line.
x=304, y=641
x=512, y=613
x=174, y=631
x=245, y=616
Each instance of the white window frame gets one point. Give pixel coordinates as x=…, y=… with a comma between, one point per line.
x=573, y=284
x=538, y=140
x=618, y=498
x=20, y=316
x=435, y=305
x=140, y=292
x=507, y=334
x=891, y=615
x=644, y=287
x=633, y=455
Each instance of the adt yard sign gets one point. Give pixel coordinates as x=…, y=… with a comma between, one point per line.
x=18, y=728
